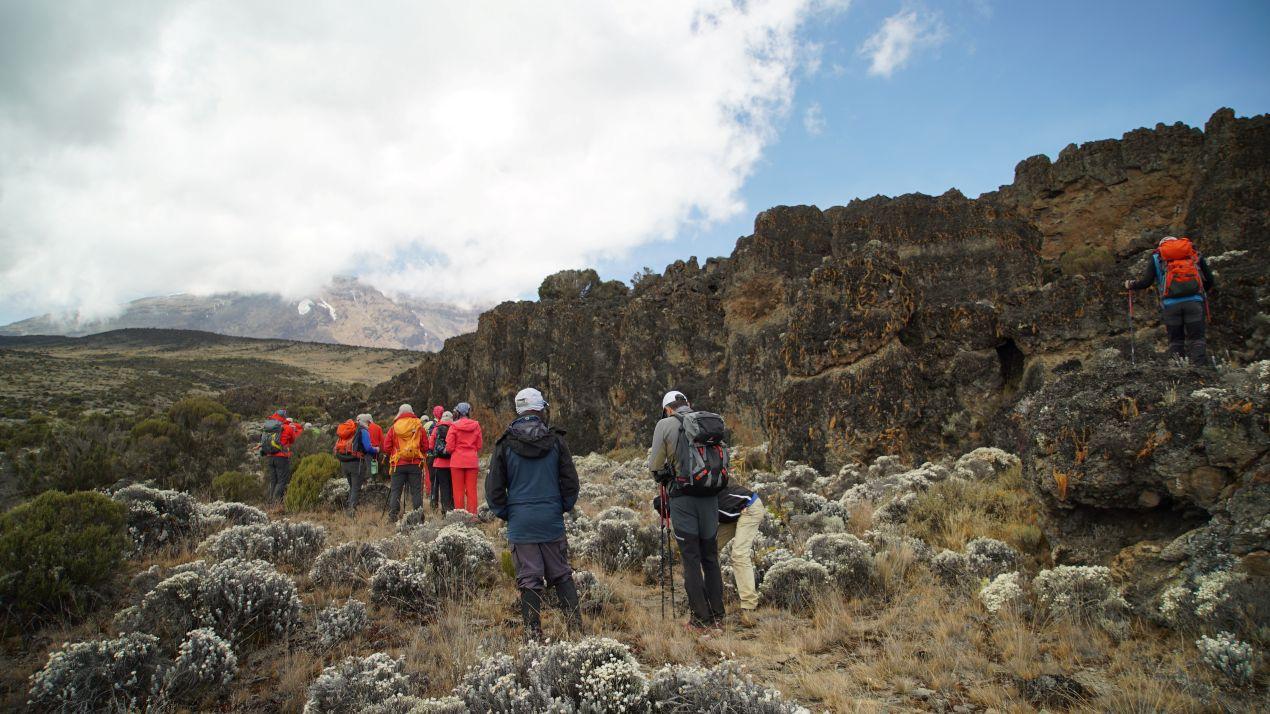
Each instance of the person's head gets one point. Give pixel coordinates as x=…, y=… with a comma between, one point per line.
x=530, y=401
x=463, y=409
x=405, y=409
x=363, y=420
x=437, y=411
x=672, y=401
x=282, y=413
x=447, y=416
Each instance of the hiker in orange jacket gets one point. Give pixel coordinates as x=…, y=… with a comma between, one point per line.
x=441, y=461
x=405, y=443
x=463, y=442
x=276, y=448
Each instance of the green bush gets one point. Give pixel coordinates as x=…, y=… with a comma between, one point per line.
x=192, y=413
x=79, y=457
x=236, y=486
x=58, y=552
x=309, y=478
x=156, y=427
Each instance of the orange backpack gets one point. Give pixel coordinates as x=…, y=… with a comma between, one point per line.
x=1181, y=269
x=406, y=434
x=346, y=447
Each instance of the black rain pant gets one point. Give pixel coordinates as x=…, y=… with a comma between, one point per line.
x=1184, y=322
x=696, y=523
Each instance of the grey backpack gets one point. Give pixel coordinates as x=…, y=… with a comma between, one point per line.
x=701, y=454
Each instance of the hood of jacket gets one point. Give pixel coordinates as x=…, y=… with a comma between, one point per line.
x=529, y=437
x=277, y=417
x=437, y=411
x=406, y=415
x=465, y=424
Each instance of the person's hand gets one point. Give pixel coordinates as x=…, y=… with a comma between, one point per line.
x=1128, y=285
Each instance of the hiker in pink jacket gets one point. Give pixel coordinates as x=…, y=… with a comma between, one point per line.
x=463, y=442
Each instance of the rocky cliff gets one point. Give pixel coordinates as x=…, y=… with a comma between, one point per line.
x=910, y=325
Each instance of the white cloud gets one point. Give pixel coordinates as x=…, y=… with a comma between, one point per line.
x=814, y=119
x=893, y=45
x=458, y=150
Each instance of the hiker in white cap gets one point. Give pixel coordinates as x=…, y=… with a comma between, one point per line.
x=531, y=484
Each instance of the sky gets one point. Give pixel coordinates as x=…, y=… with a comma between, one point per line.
x=463, y=151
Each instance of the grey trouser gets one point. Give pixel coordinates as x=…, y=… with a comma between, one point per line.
x=540, y=565
x=277, y=476
x=408, y=476
x=355, y=473
x=696, y=523
x=1184, y=321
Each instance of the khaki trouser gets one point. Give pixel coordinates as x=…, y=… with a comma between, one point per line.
x=741, y=534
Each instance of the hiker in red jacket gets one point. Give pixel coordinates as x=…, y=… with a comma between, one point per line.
x=441, y=461
x=405, y=443
x=275, y=445
x=430, y=479
x=463, y=442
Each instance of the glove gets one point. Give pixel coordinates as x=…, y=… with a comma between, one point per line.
x=1128, y=285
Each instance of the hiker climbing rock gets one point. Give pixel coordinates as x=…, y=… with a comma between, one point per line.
x=279, y=434
x=441, y=460
x=405, y=443
x=1184, y=282
x=531, y=484
x=690, y=458
x=354, y=450
x=463, y=444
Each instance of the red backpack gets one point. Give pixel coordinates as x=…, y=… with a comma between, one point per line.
x=346, y=446
x=1181, y=269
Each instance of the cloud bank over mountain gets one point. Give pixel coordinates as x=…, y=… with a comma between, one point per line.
x=460, y=151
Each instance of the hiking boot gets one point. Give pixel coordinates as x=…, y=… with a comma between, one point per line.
x=531, y=612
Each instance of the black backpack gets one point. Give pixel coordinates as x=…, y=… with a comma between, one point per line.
x=438, y=450
x=271, y=438
x=701, y=454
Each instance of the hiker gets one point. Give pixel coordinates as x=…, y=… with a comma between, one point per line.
x=279, y=434
x=1184, y=282
x=531, y=484
x=405, y=443
x=694, y=502
x=463, y=443
x=441, y=461
x=354, y=450
x=741, y=512
x=431, y=426
x=377, y=464
x=428, y=487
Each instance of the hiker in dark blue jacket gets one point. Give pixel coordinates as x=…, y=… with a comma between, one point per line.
x=531, y=484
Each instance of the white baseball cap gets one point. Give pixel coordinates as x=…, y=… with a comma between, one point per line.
x=529, y=400
x=672, y=397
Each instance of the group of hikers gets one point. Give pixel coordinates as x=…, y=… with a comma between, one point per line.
x=532, y=483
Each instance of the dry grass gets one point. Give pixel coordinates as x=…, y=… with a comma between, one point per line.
x=956, y=511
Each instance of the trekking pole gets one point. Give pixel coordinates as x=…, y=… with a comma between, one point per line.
x=1133, y=357
x=665, y=527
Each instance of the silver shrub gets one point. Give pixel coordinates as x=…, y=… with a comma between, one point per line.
x=952, y=568
x=498, y=684
x=204, y=661
x=460, y=560
x=406, y=586
x=159, y=519
x=1005, y=592
x=596, y=674
x=795, y=583
x=988, y=558
x=618, y=544
x=232, y=513
x=678, y=689
x=355, y=684
x=764, y=561
x=355, y=561
x=248, y=601
x=1218, y=600
x=338, y=623
x=848, y=559
x=170, y=609
x=411, y=520
x=410, y=704
x=1230, y=657
x=1083, y=592
x=123, y=674
x=294, y=544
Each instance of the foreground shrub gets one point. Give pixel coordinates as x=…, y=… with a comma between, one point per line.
x=1079, y=592
x=1228, y=656
x=405, y=586
x=356, y=684
x=848, y=559
x=795, y=583
x=347, y=562
x=124, y=674
x=1004, y=592
x=170, y=609
x=341, y=622
x=597, y=674
x=237, y=486
x=724, y=687
x=158, y=518
x=460, y=560
x=988, y=557
x=58, y=553
x=247, y=601
x=410, y=704
x=295, y=544
x=308, y=480
x=204, y=661
x=231, y=513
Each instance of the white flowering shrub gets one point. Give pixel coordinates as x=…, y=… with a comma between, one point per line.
x=1082, y=592
x=679, y=689
x=355, y=684
x=987, y=464
x=123, y=674
x=952, y=568
x=410, y=704
x=497, y=684
x=795, y=583
x=334, y=493
x=248, y=601
x=1004, y=592
x=1218, y=600
x=765, y=559
x=619, y=544
x=848, y=559
x=355, y=561
x=890, y=541
x=895, y=511
x=885, y=481
x=158, y=518
x=171, y=609
x=338, y=623
x=597, y=674
x=1230, y=657
x=461, y=561
x=988, y=558
x=460, y=517
x=411, y=520
x=406, y=586
x=294, y=544
x=233, y=513
x=204, y=661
